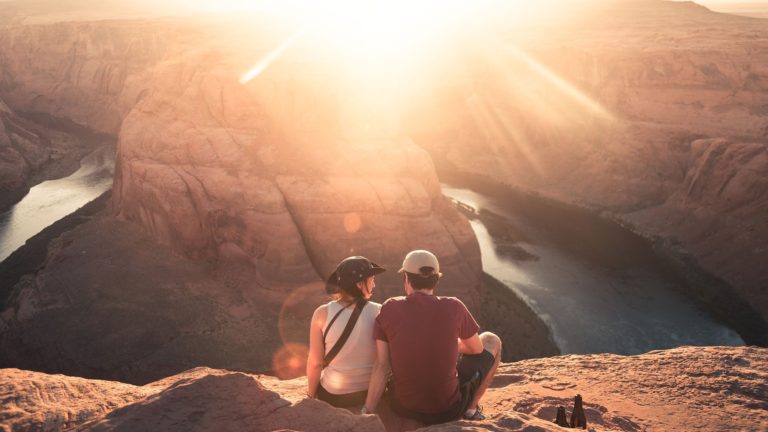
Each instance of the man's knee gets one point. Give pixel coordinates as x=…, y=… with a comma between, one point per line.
x=491, y=343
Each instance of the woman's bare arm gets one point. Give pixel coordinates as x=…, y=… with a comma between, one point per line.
x=316, y=350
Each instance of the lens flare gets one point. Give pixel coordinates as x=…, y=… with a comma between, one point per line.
x=290, y=361
x=296, y=312
x=352, y=222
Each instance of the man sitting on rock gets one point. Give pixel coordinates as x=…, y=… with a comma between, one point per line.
x=420, y=337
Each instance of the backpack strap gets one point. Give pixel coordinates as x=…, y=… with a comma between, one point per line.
x=344, y=334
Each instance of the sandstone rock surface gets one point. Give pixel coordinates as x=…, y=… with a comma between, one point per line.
x=109, y=303
x=270, y=173
x=266, y=186
x=77, y=70
x=221, y=170
x=690, y=388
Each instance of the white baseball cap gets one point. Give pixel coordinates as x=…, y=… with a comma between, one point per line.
x=417, y=260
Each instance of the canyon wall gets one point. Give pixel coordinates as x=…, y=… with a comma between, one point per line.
x=72, y=71
x=268, y=173
x=664, y=128
x=215, y=169
x=78, y=70
x=266, y=185
x=32, y=151
x=231, y=204
x=22, y=151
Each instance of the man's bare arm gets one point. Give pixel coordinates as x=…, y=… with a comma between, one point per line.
x=471, y=345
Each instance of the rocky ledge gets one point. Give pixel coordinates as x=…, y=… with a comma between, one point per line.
x=689, y=388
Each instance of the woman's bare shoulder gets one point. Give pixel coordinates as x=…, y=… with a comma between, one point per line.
x=320, y=314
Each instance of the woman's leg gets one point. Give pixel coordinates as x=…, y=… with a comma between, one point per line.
x=342, y=400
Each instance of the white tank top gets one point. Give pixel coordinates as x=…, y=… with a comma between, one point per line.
x=350, y=370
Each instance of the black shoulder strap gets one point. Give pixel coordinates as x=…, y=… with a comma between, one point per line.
x=333, y=320
x=344, y=334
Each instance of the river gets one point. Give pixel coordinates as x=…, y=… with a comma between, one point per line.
x=599, y=287
x=51, y=200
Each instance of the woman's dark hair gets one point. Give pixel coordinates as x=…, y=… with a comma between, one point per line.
x=350, y=290
x=420, y=282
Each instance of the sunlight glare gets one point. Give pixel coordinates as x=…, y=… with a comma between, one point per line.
x=381, y=27
x=365, y=34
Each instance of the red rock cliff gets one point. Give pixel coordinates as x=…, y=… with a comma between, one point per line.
x=653, y=113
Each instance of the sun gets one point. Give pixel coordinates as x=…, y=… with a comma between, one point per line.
x=382, y=26
x=367, y=37
x=389, y=53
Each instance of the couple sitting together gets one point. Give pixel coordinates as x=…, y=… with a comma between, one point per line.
x=424, y=349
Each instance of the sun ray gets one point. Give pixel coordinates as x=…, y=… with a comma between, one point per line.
x=270, y=58
x=501, y=130
x=566, y=88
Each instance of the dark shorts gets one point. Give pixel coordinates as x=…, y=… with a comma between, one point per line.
x=343, y=400
x=472, y=369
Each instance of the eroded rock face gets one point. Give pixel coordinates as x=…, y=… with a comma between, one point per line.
x=268, y=173
x=74, y=71
x=109, y=303
x=78, y=70
x=32, y=152
x=221, y=170
x=663, y=128
x=701, y=388
x=21, y=152
x=265, y=186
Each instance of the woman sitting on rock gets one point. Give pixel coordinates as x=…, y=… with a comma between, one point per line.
x=341, y=345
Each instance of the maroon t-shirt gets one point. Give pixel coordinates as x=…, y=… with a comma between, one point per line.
x=423, y=331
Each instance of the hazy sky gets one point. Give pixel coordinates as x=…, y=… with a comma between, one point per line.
x=202, y=5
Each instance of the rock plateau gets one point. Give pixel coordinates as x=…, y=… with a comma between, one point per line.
x=704, y=389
